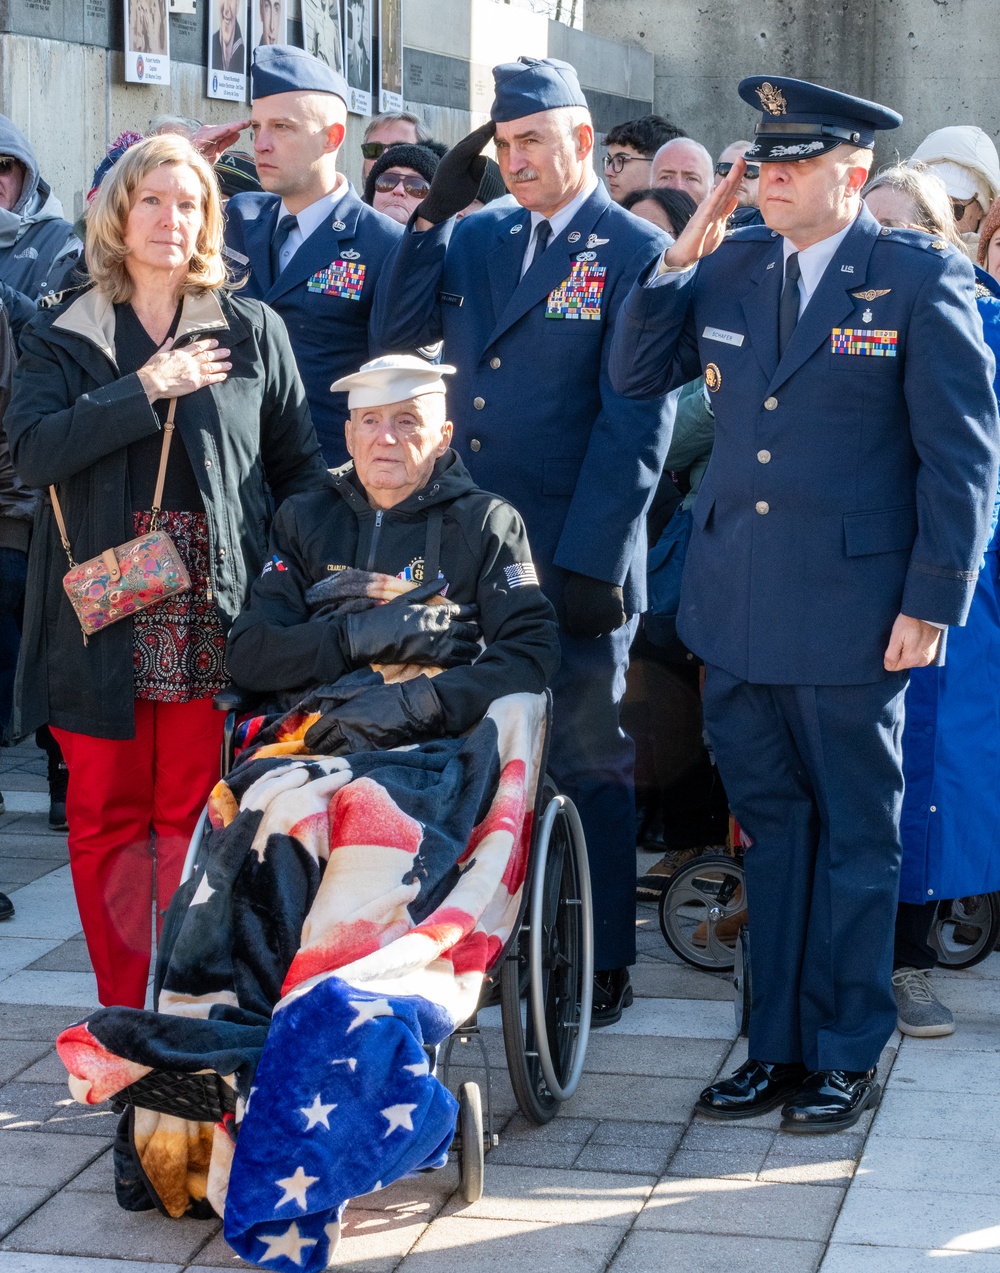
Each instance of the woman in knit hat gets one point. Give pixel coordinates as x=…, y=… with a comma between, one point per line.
x=988, y=254
x=400, y=179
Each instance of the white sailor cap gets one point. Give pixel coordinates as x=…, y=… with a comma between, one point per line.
x=392, y=378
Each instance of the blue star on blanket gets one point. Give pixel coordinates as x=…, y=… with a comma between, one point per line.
x=362, y=1109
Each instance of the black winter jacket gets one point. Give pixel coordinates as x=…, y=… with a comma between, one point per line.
x=484, y=557
x=70, y=420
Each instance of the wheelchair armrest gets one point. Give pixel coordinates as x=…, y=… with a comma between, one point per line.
x=234, y=699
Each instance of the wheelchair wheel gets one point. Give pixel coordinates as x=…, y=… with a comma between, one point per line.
x=702, y=910
x=546, y=1032
x=966, y=930
x=742, y=982
x=471, y=1154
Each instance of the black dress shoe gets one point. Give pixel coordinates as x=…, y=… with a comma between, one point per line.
x=6, y=907
x=756, y=1087
x=612, y=995
x=830, y=1101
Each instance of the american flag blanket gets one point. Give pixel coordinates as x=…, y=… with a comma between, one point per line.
x=337, y=927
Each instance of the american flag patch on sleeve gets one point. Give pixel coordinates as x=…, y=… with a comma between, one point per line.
x=520, y=575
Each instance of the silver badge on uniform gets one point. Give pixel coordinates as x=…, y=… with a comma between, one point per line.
x=350, y=256
x=339, y=225
x=595, y=242
x=515, y=229
x=866, y=317
x=573, y=236
x=586, y=256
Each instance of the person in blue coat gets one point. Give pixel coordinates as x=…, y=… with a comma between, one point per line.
x=309, y=246
x=526, y=300
x=838, y=529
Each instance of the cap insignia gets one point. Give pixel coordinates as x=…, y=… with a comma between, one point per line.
x=772, y=99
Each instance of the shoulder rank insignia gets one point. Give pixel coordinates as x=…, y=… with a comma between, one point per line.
x=872, y=293
x=939, y=244
x=772, y=99
x=982, y=293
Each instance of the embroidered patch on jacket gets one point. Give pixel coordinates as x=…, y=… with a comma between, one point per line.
x=275, y=563
x=340, y=278
x=849, y=340
x=520, y=575
x=579, y=296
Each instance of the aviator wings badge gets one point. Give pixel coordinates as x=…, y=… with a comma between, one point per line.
x=872, y=294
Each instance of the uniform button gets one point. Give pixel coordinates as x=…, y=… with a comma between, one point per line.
x=933, y=808
x=770, y=404
x=762, y=506
x=208, y=464
x=479, y=403
x=494, y=363
x=764, y=457
x=221, y=554
x=475, y=444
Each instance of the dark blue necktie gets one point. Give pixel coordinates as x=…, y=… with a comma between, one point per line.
x=543, y=232
x=788, y=308
x=281, y=232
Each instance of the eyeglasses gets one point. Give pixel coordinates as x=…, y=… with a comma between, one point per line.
x=416, y=187
x=6, y=164
x=957, y=208
x=724, y=169
x=615, y=163
x=373, y=149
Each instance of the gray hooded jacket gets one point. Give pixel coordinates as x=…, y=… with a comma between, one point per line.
x=36, y=243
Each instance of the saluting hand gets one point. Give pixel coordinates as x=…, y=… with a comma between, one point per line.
x=213, y=140
x=912, y=643
x=456, y=182
x=707, y=227
x=172, y=373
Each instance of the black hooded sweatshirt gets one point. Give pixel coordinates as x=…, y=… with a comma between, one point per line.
x=484, y=557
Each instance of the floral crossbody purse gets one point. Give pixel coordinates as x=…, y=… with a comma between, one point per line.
x=131, y=577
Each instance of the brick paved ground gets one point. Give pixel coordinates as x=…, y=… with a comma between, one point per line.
x=623, y=1179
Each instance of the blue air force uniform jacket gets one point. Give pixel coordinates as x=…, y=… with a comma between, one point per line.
x=324, y=294
x=536, y=417
x=851, y=480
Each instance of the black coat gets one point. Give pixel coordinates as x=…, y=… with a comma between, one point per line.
x=71, y=418
x=484, y=557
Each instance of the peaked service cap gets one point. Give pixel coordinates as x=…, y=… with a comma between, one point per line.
x=282, y=68
x=801, y=120
x=392, y=378
x=533, y=84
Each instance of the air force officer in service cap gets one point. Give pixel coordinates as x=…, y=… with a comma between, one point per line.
x=838, y=531
x=526, y=301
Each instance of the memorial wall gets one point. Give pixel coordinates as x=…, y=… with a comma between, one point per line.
x=63, y=66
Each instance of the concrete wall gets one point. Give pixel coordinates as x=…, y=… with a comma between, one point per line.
x=935, y=61
x=71, y=99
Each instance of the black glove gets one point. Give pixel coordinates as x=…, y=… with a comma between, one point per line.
x=378, y=718
x=443, y=635
x=591, y=607
x=456, y=182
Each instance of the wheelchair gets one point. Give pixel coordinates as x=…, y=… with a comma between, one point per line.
x=543, y=980
x=703, y=907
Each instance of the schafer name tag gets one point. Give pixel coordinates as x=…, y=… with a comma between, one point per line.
x=727, y=338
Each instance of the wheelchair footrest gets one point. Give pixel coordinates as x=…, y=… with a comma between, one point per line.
x=203, y=1098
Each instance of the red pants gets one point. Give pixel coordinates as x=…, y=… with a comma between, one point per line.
x=132, y=804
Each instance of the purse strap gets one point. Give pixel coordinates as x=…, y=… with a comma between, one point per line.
x=161, y=476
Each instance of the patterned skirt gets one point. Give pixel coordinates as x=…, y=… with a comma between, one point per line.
x=179, y=646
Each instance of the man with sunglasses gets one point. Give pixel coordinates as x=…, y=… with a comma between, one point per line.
x=526, y=299
x=389, y=129
x=310, y=247
x=747, y=212
x=36, y=244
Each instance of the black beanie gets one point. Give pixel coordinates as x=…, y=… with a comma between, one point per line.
x=401, y=155
x=492, y=185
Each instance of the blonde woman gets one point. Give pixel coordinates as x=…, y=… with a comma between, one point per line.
x=132, y=708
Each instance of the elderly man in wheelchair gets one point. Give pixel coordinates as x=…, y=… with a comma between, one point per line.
x=363, y=862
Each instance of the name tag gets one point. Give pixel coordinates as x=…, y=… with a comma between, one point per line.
x=864, y=341
x=451, y=298
x=726, y=338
